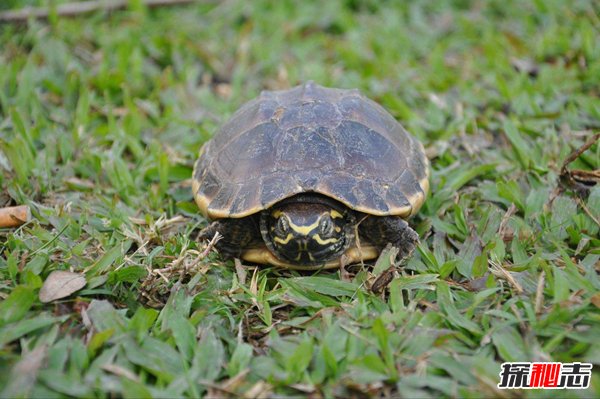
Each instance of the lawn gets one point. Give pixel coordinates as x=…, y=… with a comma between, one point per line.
x=101, y=120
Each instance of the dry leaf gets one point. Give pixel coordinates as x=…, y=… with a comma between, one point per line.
x=60, y=284
x=596, y=299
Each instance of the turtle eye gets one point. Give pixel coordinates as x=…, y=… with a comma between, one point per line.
x=325, y=226
x=283, y=226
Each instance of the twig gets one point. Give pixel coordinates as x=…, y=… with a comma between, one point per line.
x=577, y=179
x=576, y=153
x=14, y=216
x=81, y=7
x=173, y=265
x=210, y=245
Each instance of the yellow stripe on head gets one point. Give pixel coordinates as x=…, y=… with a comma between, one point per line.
x=321, y=241
x=304, y=230
x=284, y=240
x=276, y=214
x=335, y=214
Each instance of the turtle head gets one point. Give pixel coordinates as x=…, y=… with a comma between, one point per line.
x=306, y=233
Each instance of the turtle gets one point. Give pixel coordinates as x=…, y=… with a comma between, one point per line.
x=310, y=177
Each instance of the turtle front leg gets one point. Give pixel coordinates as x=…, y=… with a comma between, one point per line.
x=384, y=230
x=238, y=235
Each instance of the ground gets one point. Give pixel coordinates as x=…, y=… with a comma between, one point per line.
x=102, y=117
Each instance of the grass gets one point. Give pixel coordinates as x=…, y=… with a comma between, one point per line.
x=102, y=116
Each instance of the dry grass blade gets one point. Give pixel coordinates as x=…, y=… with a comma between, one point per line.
x=503, y=228
x=500, y=272
x=240, y=271
x=120, y=371
x=260, y=389
x=539, y=293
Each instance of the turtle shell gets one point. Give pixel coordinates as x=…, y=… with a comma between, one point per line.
x=334, y=142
